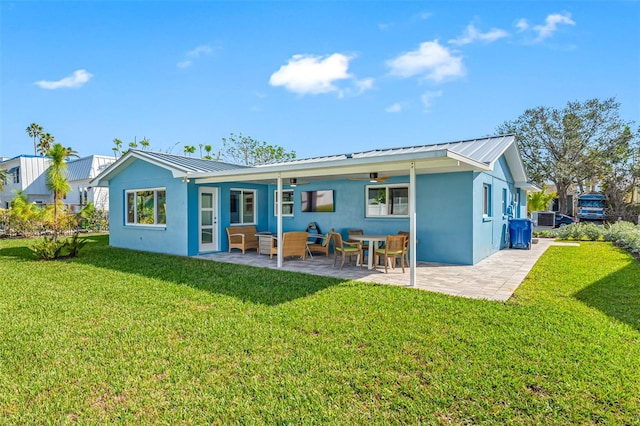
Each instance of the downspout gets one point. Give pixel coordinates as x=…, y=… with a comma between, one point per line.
x=279, y=220
x=412, y=224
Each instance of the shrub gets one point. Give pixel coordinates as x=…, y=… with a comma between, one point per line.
x=580, y=231
x=624, y=234
x=50, y=248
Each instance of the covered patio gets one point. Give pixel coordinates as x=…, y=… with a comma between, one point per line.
x=493, y=278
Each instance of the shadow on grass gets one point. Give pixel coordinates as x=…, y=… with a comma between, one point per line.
x=247, y=283
x=617, y=295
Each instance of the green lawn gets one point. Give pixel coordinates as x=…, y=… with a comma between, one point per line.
x=117, y=336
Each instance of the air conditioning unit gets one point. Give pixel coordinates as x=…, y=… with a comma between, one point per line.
x=543, y=220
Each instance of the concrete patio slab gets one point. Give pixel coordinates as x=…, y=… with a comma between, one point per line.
x=493, y=278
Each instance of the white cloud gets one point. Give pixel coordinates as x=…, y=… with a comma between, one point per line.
x=309, y=74
x=472, y=34
x=428, y=97
x=191, y=55
x=396, y=107
x=522, y=25
x=551, y=25
x=431, y=60
x=75, y=80
x=199, y=51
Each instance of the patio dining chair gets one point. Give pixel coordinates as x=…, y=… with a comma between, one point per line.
x=346, y=248
x=394, y=249
x=406, y=246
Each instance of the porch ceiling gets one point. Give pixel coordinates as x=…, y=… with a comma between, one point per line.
x=437, y=162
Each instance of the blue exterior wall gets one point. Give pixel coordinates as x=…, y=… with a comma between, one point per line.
x=172, y=238
x=444, y=203
x=490, y=232
x=262, y=210
x=450, y=224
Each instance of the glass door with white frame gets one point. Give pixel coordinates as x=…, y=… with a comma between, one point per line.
x=208, y=219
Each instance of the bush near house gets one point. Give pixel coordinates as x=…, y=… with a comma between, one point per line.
x=623, y=234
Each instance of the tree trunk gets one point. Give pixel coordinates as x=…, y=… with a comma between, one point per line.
x=561, y=190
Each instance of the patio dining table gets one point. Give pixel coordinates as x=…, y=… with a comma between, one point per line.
x=373, y=240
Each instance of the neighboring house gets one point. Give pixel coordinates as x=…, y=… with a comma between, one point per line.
x=28, y=173
x=464, y=193
x=80, y=172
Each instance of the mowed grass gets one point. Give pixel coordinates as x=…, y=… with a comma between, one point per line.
x=118, y=336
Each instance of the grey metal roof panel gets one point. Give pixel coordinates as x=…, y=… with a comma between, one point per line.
x=79, y=169
x=188, y=164
x=485, y=150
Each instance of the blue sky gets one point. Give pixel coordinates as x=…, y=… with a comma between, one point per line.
x=317, y=78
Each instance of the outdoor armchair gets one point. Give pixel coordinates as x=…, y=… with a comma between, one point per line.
x=293, y=244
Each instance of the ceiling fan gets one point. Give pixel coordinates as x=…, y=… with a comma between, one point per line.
x=373, y=178
x=293, y=182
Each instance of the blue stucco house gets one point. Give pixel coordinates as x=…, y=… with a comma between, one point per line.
x=455, y=198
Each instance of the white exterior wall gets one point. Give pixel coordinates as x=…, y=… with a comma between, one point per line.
x=33, y=180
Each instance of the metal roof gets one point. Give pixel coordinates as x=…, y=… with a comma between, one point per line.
x=87, y=167
x=467, y=155
x=188, y=164
x=485, y=150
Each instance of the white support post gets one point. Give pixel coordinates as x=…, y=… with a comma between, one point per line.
x=279, y=220
x=412, y=224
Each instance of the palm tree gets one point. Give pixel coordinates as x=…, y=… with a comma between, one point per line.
x=207, y=149
x=117, y=148
x=189, y=149
x=34, y=130
x=3, y=179
x=57, y=180
x=145, y=143
x=46, y=141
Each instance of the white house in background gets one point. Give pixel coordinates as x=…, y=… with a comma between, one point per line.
x=80, y=172
x=28, y=173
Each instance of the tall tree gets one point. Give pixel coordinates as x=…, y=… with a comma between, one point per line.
x=145, y=143
x=189, y=149
x=117, y=149
x=35, y=131
x=57, y=180
x=3, y=178
x=249, y=151
x=207, y=149
x=46, y=142
x=568, y=146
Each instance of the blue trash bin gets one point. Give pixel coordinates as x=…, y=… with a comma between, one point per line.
x=520, y=232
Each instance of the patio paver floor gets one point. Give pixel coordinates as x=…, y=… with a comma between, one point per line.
x=494, y=278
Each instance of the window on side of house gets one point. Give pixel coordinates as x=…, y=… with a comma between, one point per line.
x=16, y=175
x=287, y=202
x=504, y=202
x=242, y=207
x=387, y=200
x=486, y=200
x=146, y=206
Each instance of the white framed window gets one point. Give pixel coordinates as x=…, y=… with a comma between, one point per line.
x=146, y=206
x=287, y=202
x=387, y=200
x=504, y=202
x=486, y=200
x=16, y=175
x=242, y=205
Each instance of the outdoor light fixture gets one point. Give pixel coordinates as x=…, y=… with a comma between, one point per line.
x=293, y=182
x=185, y=179
x=373, y=177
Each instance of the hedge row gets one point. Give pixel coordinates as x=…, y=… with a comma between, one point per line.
x=624, y=234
